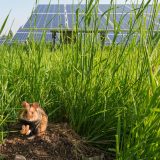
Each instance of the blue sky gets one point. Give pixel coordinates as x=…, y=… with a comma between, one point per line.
x=21, y=10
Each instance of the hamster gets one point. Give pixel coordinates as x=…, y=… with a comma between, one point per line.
x=33, y=119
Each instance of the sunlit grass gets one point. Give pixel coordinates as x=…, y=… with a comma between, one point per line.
x=110, y=96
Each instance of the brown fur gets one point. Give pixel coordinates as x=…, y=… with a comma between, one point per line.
x=33, y=113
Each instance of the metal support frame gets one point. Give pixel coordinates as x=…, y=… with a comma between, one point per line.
x=103, y=39
x=53, y=40
x=68, y=36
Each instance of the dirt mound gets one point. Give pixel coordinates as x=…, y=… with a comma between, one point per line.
x=59, y=143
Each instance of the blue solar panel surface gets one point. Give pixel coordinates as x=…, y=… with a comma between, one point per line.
x=50, y=8
x=20, y=37
x=2, y=40
x=64, y=16
x=24, y=35
x=46, y=21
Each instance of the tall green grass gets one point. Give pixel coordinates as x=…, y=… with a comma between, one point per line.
x=110, y=97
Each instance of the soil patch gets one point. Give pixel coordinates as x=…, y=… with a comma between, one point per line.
x=59, y=143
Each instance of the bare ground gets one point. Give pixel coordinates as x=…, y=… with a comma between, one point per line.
x=59, y=143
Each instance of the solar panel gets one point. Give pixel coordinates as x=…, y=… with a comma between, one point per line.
x=121, y=8
x=136, y=8
x=101, y=22
x=1, y=41
x=157, y=22
x=20, y=37
x=37, y=36
x=104, y=24
x=70, y=9
x=105, y=7
x=122, y=20
x=149, y=9
x=56, y=8
x=121, y=38
x=46, y=21
x=63, y=16
x=126, y=9
x=79, y=8
x=49, y=38
x=41, y=9
x=24, y=34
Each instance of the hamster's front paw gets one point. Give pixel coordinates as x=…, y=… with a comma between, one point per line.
x=28, y=131
x=23, y=130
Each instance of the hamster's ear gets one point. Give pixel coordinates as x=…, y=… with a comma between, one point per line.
x=35, y=105
x=25, y=104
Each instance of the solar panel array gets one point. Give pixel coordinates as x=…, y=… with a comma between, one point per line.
x=2, y=40
x=61, y=16
x=22, y=35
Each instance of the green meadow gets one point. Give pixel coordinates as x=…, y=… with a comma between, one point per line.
x=109, y=96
